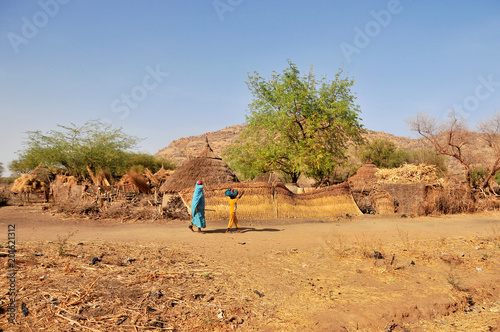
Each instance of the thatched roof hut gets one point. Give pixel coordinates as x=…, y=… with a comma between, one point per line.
x=364, y=178
x=207, y=167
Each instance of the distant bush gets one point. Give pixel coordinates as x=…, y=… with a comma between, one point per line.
x=7, y=180
x=383, y=153
x=428, y=157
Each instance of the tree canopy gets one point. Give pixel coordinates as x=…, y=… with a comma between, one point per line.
x=73, y=148
x=296, y=125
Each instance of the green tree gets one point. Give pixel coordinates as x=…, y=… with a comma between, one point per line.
x=95, y=144
x=141, y=161
x=2, y=169
x=297, y=125
x=383, y=153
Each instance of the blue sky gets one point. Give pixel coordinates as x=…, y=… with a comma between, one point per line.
x=163, y=70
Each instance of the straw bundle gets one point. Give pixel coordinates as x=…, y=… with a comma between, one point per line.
x=264, y=201
x=102, y=178
x=152, y=178
x=139, y=181
x=124, y=180
x=410, y=173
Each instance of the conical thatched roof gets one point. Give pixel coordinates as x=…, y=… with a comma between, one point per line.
x=162, y=174
x=364, y=178
x=207, y=167
x=41, y=173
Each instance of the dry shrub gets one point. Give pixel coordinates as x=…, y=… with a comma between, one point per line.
x=453, y=199
x=175, y=209
x=139, y=181
x=337, y=243
x=83, y=208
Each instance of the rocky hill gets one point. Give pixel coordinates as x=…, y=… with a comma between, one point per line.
x=183, y=148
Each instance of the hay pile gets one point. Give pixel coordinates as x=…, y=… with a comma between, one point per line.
x=409, y=173
x=28, y=183
x=101, y=178
x=163, y=173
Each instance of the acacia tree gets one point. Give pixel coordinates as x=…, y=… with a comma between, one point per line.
x=297, y=125
x=95, y=144
x=453, y=138
x=1, y=169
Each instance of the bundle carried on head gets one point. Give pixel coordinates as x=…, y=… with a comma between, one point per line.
x=231, y=193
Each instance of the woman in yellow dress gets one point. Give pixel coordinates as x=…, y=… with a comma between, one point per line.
x=233, y=205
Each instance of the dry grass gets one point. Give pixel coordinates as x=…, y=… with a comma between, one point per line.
x=132, y=287
x=453, y=199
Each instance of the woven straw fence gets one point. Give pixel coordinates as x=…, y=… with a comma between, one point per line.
x=264, y=201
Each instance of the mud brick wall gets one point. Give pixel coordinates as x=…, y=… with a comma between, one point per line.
x=63, y=192
x=409, y=196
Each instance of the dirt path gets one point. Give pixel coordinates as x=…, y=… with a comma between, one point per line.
x=368, y=273
x=34, y=225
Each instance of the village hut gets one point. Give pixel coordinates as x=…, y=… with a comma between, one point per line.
x=207, y=167
x=36, y=181
x=362, y=183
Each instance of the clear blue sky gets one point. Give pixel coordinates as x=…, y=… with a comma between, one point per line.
x=162, y=70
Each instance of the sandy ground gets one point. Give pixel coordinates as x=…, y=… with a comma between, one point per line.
x=367, y=274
